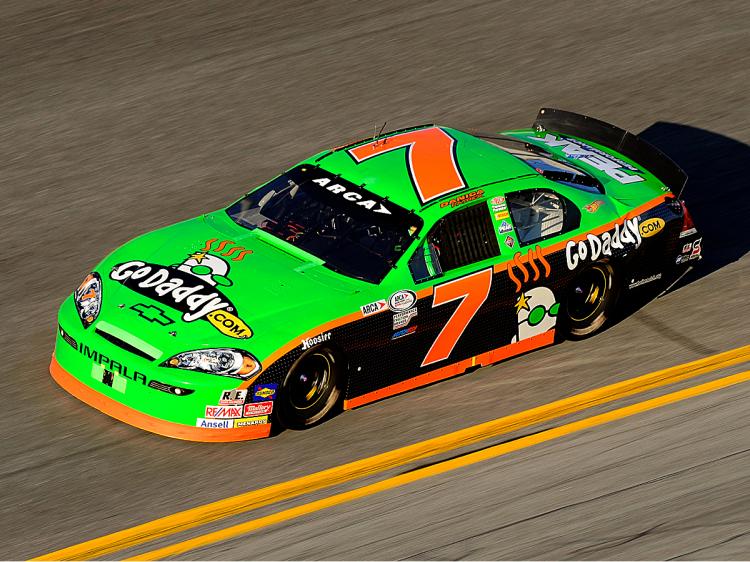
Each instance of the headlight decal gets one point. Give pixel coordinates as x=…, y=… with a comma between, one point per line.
x=88, y=299
x=223, y=361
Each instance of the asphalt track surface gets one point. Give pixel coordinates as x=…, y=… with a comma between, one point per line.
x=118, y=118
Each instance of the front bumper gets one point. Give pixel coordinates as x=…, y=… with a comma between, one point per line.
x=114, y=379
x=149, y=423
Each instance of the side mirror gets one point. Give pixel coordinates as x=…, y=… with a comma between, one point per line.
x=424, y=264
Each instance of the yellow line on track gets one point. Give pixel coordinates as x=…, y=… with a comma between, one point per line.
x=194, y=517
x=440, y=468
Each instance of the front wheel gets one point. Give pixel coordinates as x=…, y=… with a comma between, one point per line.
x=311, y=388
x=590, y=300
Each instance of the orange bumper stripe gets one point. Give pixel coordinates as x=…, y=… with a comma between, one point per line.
x=149, y=423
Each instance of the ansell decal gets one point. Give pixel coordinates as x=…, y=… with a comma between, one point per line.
x=214, y=424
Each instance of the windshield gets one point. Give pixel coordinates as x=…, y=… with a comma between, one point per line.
x=354, y=232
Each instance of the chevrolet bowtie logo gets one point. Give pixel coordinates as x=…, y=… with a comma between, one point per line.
x=152, y=314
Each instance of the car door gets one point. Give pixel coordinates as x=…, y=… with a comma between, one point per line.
x=449, y=309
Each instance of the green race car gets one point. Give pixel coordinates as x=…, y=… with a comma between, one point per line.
x=372, y=269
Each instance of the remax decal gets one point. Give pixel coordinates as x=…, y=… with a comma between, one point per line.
x=533, y=256
x=223, y=412
x=594, y=246
x=574, y=149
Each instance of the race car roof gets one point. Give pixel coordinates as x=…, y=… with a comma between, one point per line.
x=395, y=172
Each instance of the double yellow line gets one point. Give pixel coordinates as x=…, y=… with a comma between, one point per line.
x=201, y=515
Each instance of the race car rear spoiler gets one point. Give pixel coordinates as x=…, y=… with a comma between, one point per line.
x=627, y=144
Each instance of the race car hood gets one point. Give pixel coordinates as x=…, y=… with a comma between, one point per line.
x=208, y=282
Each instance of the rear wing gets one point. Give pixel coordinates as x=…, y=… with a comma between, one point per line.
x=619, y=140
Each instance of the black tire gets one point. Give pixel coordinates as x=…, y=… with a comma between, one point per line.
x=311, y=388
x=590, y=300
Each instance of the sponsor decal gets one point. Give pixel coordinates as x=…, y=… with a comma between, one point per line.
x=690, y=251
x=404, y=332
x=504, y=227
x=257, y=420
x=315, y=340
x=152, y=314
x=402, y=300
x=625, y=234
x=353, y=196
x=223, y=411
x=651, y=226
x=461, y=199
x=594, y=206
x=509, y=241
x=373, y=307
x=688, y=232
x=264, y=392
x=502, y=215
x=533, y=255
x=108, y=378
x=229, y=325
x=239, y=252
x=233, y=397
x=402, y=319
x=214, y=424
x=696, y=253
x=498, y=200
x=85, y=298
x=189, y=288
x=254, y=409
x=112, y=365
x=634, y=283
x=536, y=311
x=576, y=150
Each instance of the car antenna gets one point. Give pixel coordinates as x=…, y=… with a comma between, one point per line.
x=376, y=136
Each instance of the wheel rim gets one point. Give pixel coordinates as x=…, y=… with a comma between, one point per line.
x=309, y=383
x=589, y=292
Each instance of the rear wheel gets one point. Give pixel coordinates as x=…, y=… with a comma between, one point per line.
x=590, y=300
x=311, y=388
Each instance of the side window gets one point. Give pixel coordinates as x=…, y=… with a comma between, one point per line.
x=461, y=238
x=539, y=214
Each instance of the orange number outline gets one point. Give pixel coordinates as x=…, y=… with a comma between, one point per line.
x=473, y=290
x=432, y=174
